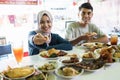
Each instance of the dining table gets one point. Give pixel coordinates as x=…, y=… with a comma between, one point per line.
x=108, y=72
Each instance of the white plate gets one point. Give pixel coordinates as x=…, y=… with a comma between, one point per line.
x=68, y=58
x=45, y=52
x=94, y=54
x=59, y=73
x=117, y=57
x=50, y=58
x=53, y=62
x=113, y=51
x=92, y=45
x=46, y=76
x=108, y=64
x=91, y=66
x=88, y=45
x=92, y=70
x=4, y=76
x=99, y=50
x=51, y=77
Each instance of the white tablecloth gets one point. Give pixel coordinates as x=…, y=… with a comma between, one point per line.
x=111, y=72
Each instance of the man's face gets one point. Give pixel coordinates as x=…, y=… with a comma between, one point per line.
x=85, y=15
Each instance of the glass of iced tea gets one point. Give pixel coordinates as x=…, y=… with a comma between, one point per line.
x=114, y=39
x=18, y=50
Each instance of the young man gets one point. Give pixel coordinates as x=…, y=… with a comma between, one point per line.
x=83, y=30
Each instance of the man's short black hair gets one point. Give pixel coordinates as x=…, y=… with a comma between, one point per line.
x=86, y=5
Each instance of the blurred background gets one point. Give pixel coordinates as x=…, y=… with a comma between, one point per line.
x=18, y=17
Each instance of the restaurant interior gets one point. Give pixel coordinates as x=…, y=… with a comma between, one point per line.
x=19, y=17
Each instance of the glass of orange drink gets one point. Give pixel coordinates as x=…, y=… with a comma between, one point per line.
x=114, y=39
x=18, y=51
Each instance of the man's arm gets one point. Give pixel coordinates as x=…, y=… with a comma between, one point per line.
x=103, y=39
x=76, y=41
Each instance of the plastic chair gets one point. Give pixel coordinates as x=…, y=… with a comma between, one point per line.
x=67, y=23
x=5, y=50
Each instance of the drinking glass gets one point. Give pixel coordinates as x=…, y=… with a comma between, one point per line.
x=18, y=51
x=114, y=39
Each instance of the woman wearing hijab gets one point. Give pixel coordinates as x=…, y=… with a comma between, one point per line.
x=43, y=38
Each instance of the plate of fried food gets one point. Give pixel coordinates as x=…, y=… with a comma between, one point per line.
x=52, y=54
x=106, y=54
x=70, y=59
x=18, y=72
x=91, y=66
x=116, y=55
x=91, y=46
x=69, y=71
x=38, y=75
x=89, y=55
x=47, y=66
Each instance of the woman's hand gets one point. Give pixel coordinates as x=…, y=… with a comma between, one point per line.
x=39, y=39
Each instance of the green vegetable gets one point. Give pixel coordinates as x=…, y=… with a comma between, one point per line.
x=36, y=77
x=53, y=55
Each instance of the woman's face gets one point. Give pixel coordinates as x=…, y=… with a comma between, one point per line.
x=86, y=15
x=45, y=24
